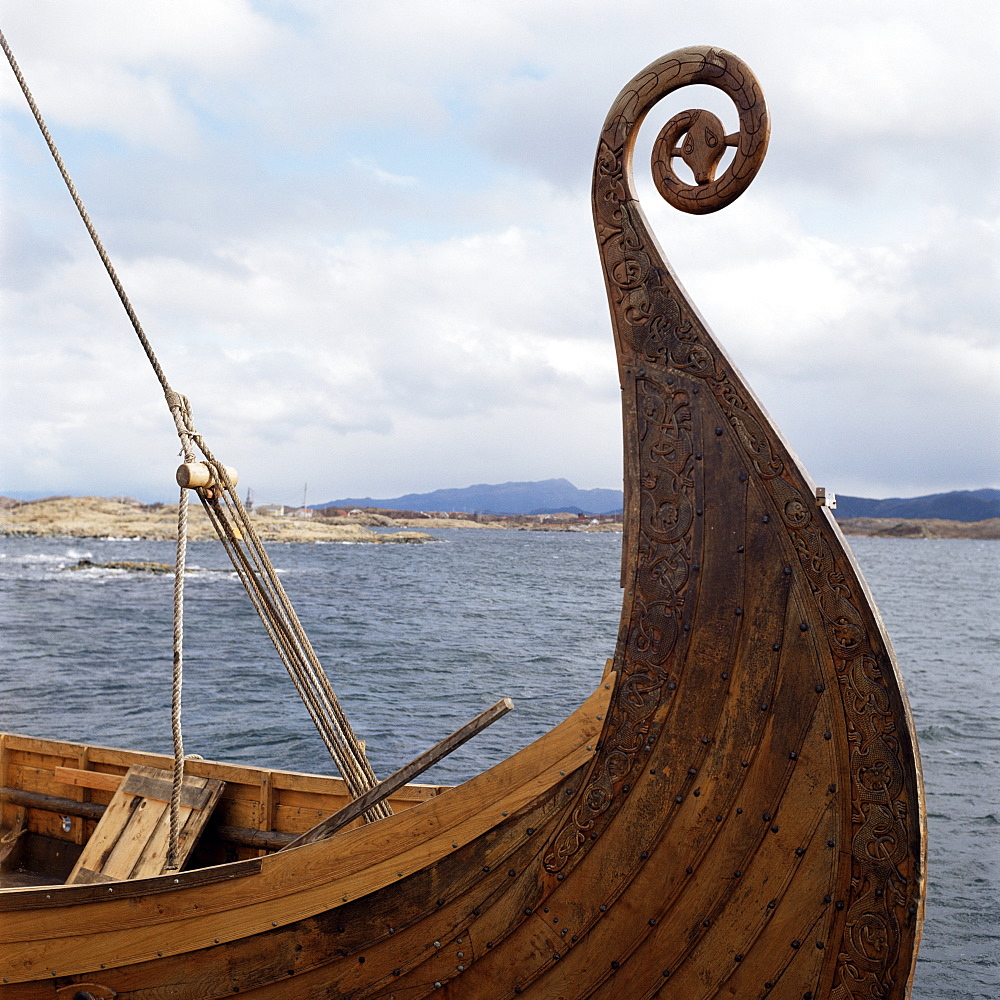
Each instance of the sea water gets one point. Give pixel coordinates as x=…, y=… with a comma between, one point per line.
x=418, y=639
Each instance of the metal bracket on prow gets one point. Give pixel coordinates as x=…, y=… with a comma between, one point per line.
x=824, y=499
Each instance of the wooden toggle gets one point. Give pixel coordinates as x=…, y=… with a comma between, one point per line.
x=340, y=819
x=194, y=475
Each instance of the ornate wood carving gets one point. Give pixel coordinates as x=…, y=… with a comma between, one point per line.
x=667, y=357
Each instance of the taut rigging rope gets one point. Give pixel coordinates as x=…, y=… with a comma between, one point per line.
x=244, y=548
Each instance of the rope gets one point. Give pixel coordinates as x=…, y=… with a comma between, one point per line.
x=249, y=558
x=178, y=678
x=180, y=562
x=244, y=548
x=246, y=552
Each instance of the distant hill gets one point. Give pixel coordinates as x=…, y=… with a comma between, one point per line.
x=545, y=497
x=958, y=505
x=556, y=495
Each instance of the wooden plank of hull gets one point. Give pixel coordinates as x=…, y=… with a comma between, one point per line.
x=740, y=816
x=88, y=779
x=362, y=942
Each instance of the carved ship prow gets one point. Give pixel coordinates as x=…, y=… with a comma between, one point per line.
x=735, y=812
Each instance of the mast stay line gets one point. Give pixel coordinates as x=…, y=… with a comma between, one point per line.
x=243, y=546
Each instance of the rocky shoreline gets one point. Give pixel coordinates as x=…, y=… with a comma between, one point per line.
x=896, y=527
x=101, y=517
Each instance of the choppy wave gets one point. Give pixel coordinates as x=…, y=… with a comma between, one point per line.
x=45, y=558
x=418, y=639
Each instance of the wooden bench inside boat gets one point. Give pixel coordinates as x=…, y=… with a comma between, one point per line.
x=131, y=839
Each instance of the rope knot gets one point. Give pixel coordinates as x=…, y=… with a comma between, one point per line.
x=180, y=410
x=180, y=407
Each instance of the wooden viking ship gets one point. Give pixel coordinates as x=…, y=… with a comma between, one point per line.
x=736, y=811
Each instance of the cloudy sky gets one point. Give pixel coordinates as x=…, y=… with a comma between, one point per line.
x=359, y=237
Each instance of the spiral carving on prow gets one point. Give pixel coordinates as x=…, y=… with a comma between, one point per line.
x=695, y=136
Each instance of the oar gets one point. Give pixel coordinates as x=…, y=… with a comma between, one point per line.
x=340, y=819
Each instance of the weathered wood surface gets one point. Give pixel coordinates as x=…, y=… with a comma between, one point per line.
x=736, y=812
x=262, y=839
x=88, y=779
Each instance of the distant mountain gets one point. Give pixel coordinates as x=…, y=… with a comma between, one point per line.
x=545, y=497
x=551, y=496
x=959, y=505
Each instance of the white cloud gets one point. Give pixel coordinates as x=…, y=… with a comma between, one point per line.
x=359, y=238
